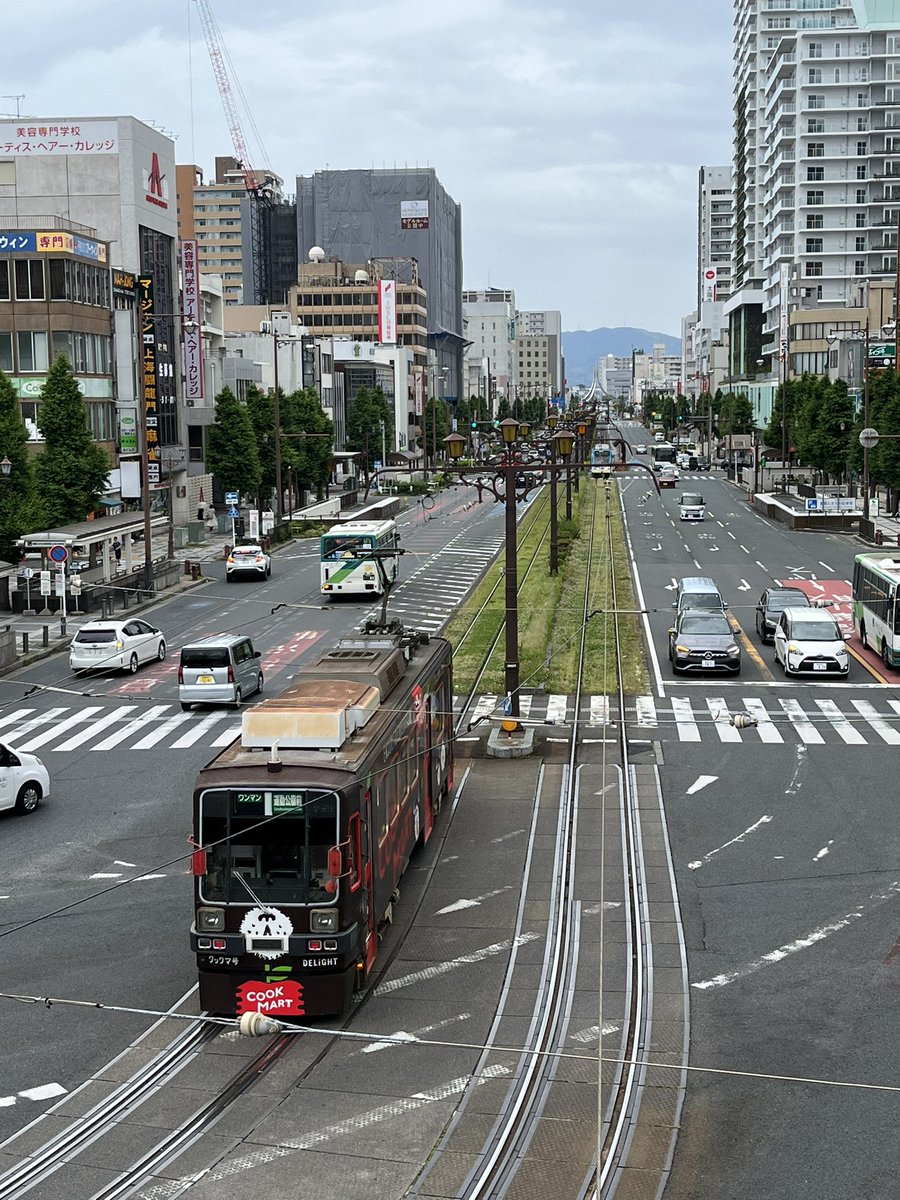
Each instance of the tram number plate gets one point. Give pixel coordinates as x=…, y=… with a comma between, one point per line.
x=206, y=679
x=320, y=962
x=220, y=960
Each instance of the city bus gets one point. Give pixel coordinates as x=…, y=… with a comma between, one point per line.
x=348, y=560
x=876, y=613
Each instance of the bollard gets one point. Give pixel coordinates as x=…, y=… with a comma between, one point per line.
x=879, y=538
x=187, y=566
x=103, y=611
x=195, y=570
x=24, y=643
x=45, y=635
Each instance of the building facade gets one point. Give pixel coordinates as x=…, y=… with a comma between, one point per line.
x=547, y=325
x=490, y=330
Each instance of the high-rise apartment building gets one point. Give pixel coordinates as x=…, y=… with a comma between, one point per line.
x=715, y=229
x=817, y=161
x=546, y=325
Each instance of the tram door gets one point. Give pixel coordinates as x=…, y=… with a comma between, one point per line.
x=428, y=773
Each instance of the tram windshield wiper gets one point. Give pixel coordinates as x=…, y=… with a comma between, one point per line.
x=253, y=896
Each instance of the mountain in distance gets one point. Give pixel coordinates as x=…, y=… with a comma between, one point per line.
x=583, y=347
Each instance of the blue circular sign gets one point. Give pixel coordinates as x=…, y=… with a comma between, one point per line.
x=58, y=554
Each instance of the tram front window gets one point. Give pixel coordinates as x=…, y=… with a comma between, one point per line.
x=282, y=860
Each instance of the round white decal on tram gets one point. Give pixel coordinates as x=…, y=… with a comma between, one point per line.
x=262, y=925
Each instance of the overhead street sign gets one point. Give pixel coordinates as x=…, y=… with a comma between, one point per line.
x=868, y=438
x=231, y=497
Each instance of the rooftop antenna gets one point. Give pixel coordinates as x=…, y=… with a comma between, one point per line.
x=18, y=97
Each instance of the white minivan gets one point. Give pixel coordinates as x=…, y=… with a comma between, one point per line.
x=219, y=670
x=691, y=507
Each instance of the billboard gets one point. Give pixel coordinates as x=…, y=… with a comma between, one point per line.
x=31, y=139
x=149, y=381
x=387, y=311
x=191, y=329
x=709, y=284
x=413, y=214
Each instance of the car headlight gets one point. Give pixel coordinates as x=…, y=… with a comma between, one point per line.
x=733, y=650
x=682, y=649
x=210, y=920
x=792, y=649
x=323, y=920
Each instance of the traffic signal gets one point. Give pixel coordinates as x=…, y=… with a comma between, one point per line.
x=473, y=424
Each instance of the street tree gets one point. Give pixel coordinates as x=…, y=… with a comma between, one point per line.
x=261, y=410
x=368, y=415
x=308, y=455
x=435, y=427
x=231, y=452
x=20, y=511
x=72, y=472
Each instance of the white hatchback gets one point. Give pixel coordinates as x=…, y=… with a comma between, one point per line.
x=248, y=560
x=24, y=780
x=807, y=639
x=116, y=646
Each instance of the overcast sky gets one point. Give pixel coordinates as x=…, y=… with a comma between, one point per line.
x=570, y=132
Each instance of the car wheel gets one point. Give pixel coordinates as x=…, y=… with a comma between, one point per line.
x=133, y=664
x=259, y=685
x=862, y=635
x=186, y=707
x=29, y=797
x=229, y=578
x=161, y=651
x=238, y=697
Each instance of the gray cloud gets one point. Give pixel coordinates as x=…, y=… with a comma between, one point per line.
x=571, y=133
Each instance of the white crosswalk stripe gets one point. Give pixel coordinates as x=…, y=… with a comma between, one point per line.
x=599, y=711
x=718, y=710
x=839, y=723
x=44, y=718
x=85, y=735
x=131, y=727
x=154, y=738
x=886, y=732
x=646, y=712
x=688, y=730
x=194, y=735
x=61, y=727
x=765, y=726
x=557, y=706
x=806, y=731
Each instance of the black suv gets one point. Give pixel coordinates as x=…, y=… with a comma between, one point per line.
x=772, y=604
x=703, y=641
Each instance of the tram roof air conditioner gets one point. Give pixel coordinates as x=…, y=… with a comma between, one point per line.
x=314, y=714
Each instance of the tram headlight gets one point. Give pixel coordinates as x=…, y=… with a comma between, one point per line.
x=210, y=920
x=323, y=920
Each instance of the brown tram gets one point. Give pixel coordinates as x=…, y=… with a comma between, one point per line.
x=305, y=826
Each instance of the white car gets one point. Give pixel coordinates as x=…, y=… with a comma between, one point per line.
x=640, y=449
x=24, y=780
x=116, y=646
x=247, y=560
x=809, y=640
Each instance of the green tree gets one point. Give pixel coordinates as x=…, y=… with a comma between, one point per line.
x=310, y=458
x=19, y=509
x=261, y=410
x=436, y=426
x=72, y=471
x=365, y=414
x=231, y=453
x=503, y=409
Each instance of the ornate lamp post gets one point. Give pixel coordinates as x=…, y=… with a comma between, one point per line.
x=561, y=443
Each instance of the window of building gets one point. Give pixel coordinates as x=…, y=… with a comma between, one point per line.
x=861, y=220
x=862, y=149
x=860, y=196
x=815, y=125
x=861, y=244
x=29, y=279
x=6, y=353
x=815, y=101
x=32, y=351
x=814, y=268
x=815, y=174
x=862, y=171
x=815, y=221
x=4, y=279
x=815, y=75
x=815, y=150
x=816, y=197
x=859, y=266
x=814, y=245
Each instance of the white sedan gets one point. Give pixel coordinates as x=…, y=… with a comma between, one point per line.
x=24, y=780
x=116, y=646
x=247, y=560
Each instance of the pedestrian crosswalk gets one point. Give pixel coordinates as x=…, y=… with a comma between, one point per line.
x=125, y=726
x=746, y=720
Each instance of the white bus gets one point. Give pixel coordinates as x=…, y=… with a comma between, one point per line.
x=348, y=565
x=876, y=613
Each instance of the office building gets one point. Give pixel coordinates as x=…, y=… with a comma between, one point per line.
x=490, y=330
x=539, y=356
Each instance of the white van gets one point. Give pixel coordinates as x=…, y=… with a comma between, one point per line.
x=691, y=507
x=219, y=670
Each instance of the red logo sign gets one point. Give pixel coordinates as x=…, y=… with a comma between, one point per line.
x=157, y=191
x=276, y=999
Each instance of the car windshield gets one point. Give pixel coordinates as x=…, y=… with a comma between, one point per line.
x=782, y=600
x=204, y=656
x=95, y=635
x=816, y=631
x=713, y=625
x=694, y=499
x=702, y=600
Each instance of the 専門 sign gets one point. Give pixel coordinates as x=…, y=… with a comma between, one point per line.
x=149, y=381
x=33, y=139
x=190, y=322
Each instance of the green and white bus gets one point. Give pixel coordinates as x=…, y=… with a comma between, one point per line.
x=876, y=612
x=347, y=558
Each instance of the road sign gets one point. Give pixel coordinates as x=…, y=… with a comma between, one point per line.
x=868, y=438
x=58, y=554
x=27, y=573
x=61, y=584
x=877, y=350
x=75, y=585
x=233, y=513
x=812, y=504
x=231, y=497
x=45, y=583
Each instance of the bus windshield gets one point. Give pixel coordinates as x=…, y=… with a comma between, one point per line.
x=348, y=546
x=281, y=859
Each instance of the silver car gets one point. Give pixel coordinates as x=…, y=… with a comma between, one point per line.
x=219, y=670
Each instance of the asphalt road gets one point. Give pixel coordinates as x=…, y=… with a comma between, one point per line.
x=786, y=844
x=123, y=759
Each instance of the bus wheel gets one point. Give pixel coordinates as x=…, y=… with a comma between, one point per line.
x=862, y=634
x=886, y=653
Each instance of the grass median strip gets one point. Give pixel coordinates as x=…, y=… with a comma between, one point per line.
x=551, y=609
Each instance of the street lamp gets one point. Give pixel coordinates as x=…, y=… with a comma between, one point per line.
x=863, y=335
x=436, y=375
x=5, y=468
x=562, y=444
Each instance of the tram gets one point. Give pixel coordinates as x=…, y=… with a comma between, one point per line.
x=304, y=827
x=602, y=460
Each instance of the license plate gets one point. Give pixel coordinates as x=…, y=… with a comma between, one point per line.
x=820, y=666
x=708, y=662
x=205, y=679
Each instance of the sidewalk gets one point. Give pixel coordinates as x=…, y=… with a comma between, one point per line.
x=43, y=629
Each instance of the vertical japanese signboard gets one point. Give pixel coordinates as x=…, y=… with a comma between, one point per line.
x=784, y=279
x=190, y=328
x=387, y=311
x=149, y=381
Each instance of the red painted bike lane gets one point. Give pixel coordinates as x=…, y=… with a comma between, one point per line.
x=838, y=594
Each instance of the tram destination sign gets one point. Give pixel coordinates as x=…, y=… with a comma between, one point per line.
x=268, y=803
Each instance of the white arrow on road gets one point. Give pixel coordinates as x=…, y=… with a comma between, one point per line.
x=459, y=905
x=670, y=587
x=656, y=548
x=743, y=586
x=702, y=782
x=712, y=549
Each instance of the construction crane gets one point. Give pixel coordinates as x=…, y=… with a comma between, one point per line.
x=259, y=187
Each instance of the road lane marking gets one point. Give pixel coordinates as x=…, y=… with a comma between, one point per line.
x=684, y=720
x=701, y=782
x=645, y=708
x=735, y=841
x=118, y=714
x=61, y=727
x=195, y=734
x=718, y=710
x=806, y=731
x=826, y=849
x=146, y=743
x=130, y=727
x=886, y=732
x=765, y=726
x=438, y=969
x=839, y=723
x=45, y=718
x=599, y=711
x=557, y=706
